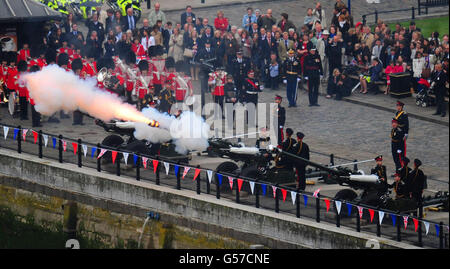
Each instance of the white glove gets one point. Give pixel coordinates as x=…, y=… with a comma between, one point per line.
x=406, y=136
x=284, y=81
x=298, y=79
x=281, y=126
x=321, y=76
x=261, y=87
x=399, y=151
x=306, y=78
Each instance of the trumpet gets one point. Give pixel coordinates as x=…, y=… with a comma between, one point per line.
x=105, y=77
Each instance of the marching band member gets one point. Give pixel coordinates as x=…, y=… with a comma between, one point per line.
x=158, y=75
x=90, y=67
x=143, y=83
x=217, y=80
x=24, y=54
x=11, y=76
x=180, y=89
x=22, y=90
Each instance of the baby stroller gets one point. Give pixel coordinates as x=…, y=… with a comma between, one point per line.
x=423, y=97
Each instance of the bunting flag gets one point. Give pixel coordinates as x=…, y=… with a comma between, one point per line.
x=54, y=142
x=371, y=213
x=338, y=206
x=176, y=168
x=125, y=157
x=427, y=227
x=305, y=199
x=113, y=155
x=230, y=181
x=102, y=152
x=155, y=166
x=144, y=162
x=239, y=182
x=316, y=193
x=405, y=221
x=93, y=150
x=186, y=170
x=263, y=188
x=64, y=145
x=85, y=149
x=75, y=148
x=197, y=172
x=274, y=189
x=327, y=203
x=24, y=134
x=219, y=178
x=167, y=167
x=5, y=131
x=35, y=136
x=394, y=218
x=293, y=197
x=284, y=193
x=360, y=211
x=135, y=159
x=437, y=229
x=16, y=131
x=45, y=139
x=209, y=173
x=380, y=216
x=349, y=209
x=416, y=224
x=252, y=186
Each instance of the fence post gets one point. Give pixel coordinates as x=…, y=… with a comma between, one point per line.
x=318, y=208
x=237, y=190
x=257, y=195
x=198, y=181
x=376, y=16
x=399, y=237
x=157, y=170
x=419, y=230
x=178, y=177
x=79, y=153
x=19, y=140
x=138, y=168
x=418, y=6
x=118, y=165
x=441, y=235
x=297, y=203
x=364, y=19
x=99, y=160
x=40, y=143
x=60, y=149
x=331, y=159
x=355, y=166
x=413, y=13
x=426, y=8
x=217, y=186
x=277, y=203
x=378, y=223
x=208, y=185
x=358, y=223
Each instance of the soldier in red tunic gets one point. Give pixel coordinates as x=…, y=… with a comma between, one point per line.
x=217, y=80
x=22, y=90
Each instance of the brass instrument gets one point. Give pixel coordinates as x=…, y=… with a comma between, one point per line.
x=105, y=77
x=5, y=100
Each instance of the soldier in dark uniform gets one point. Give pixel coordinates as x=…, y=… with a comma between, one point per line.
x=291, y=76
x=206, y=54
x=402, y=117
x=284, y=161
x=399, y=187
x=416, y=181
x=380, y=171
x=231, y=93
x=405, y=170
x=439, y=78
x=313, y=72
x=281, y=115
x=77, y=66
x=301, y=149
x=240, y=67
x=397, y=144
x=166, y=99
x=251, y=88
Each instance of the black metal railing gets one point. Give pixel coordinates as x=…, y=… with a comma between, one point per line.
x=430, y=3
x=376, y=14
x=324, y=209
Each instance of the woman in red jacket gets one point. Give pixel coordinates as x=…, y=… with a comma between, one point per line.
x=220, y=22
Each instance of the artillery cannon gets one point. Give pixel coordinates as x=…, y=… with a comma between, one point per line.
x=131, y=144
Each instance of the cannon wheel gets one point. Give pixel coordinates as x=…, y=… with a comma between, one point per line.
x=347, y=195
x=228, y=167
x=113, y=141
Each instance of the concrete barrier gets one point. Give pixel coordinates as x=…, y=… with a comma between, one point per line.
x=179, y=207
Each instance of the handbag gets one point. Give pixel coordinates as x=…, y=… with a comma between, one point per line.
x=188, y=53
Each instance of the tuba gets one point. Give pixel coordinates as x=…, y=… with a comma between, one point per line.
x=105, y=77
